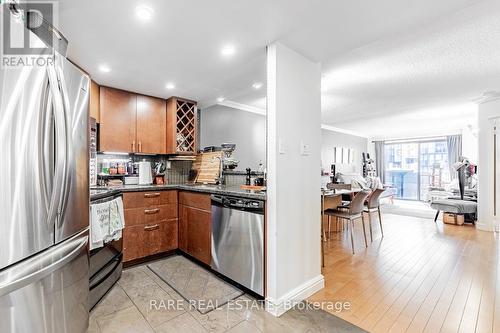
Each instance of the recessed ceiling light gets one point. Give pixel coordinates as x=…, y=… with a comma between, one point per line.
x=104, y=68
x=257, y=85
x=144, y=13
x=170, y=86
x=220, y=99
x=228, y=50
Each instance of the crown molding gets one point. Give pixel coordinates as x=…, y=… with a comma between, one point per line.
x=243, y=107
x=343, y=131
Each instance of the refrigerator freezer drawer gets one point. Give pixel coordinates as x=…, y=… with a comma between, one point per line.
x=47, y=292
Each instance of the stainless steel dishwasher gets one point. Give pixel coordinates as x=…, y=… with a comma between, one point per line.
x=238, y=240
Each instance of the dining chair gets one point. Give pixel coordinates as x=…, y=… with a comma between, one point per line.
x=372, y=206
x=354, y=212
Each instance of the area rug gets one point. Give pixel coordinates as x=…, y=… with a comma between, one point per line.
x=201, y=288
x=425, y=213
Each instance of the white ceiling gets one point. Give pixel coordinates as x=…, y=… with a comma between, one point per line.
x=434, y=72
x=385, y=57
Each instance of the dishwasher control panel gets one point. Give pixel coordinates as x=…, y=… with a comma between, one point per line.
x=237, y=203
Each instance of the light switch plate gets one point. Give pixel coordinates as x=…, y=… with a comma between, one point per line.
x=281, y=146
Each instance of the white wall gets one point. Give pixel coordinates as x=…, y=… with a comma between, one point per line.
x=331, y=139
x=470, y=143
x=247, y=130
x=485, y=202
x=293, y=196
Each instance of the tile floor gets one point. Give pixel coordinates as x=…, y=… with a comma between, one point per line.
x=127, y=308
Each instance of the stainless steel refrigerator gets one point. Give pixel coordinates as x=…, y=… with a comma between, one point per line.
x=44, y=196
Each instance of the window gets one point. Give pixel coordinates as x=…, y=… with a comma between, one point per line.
x=415, y=168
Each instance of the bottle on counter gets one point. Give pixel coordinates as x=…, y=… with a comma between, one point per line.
x=105, y=167
x=130, y=167
x=121, y=168
x=249, y=176
x=113, y=168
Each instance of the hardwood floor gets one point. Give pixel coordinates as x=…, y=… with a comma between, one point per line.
x=421, y=277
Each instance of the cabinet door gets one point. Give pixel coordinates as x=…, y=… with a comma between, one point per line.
x=135, y=242
x=94, y=101
x=183, y=231
x=117, y=130
x=151, y=125
x=182, y=120
x=198, y=234
x=168, y=236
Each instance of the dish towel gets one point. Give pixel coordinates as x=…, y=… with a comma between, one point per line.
x=107, y=222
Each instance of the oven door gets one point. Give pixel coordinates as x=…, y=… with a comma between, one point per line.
x=104, y=279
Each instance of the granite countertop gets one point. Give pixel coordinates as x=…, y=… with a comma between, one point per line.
x=212, y=189
x=97, y=193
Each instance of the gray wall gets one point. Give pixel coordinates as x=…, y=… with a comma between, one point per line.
x=331, y=139
x=247, y=130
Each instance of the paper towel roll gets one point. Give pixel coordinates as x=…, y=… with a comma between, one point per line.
x=145, y=177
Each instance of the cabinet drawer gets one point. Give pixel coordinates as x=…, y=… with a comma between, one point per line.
x=140, y=241
x=196, y=200
x=148, y=199
x=135, y=216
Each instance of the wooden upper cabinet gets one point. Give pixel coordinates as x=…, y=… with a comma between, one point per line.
x=151, y=125
x=94, y=101
x=182, y=126
x=118, y=120
x=135, y=123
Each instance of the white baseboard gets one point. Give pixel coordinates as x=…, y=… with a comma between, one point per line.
x=277, y=307
x=485, y=226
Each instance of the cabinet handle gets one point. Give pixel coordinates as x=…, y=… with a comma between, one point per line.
x=133, y=146
x=151, y=227
x=140, y=147
x=151, y=211
x=151, y=195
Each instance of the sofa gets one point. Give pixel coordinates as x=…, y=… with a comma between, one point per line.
x=358, y=181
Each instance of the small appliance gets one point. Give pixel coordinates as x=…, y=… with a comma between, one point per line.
x=145, y=177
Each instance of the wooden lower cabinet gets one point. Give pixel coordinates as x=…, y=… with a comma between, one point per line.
x=194, y=232
x=140, y=241
x=195, y=225
x=151, y=223
x=161, y=221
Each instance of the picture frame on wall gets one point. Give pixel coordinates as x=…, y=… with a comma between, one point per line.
x=343, y=155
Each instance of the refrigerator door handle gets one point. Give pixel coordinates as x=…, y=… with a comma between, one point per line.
x=46, y=158
x=40, y=266
x=67, y=139
x=58, y=192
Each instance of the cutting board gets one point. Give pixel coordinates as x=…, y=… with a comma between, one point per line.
x=208, y=167
x=253, y=188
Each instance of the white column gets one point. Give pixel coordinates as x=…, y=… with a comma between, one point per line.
x=487, y=112
x=294, y=182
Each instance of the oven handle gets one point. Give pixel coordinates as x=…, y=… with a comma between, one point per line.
x=118, y=260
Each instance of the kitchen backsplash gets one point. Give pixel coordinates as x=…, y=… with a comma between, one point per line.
x=179, y=170
x=177, y=173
